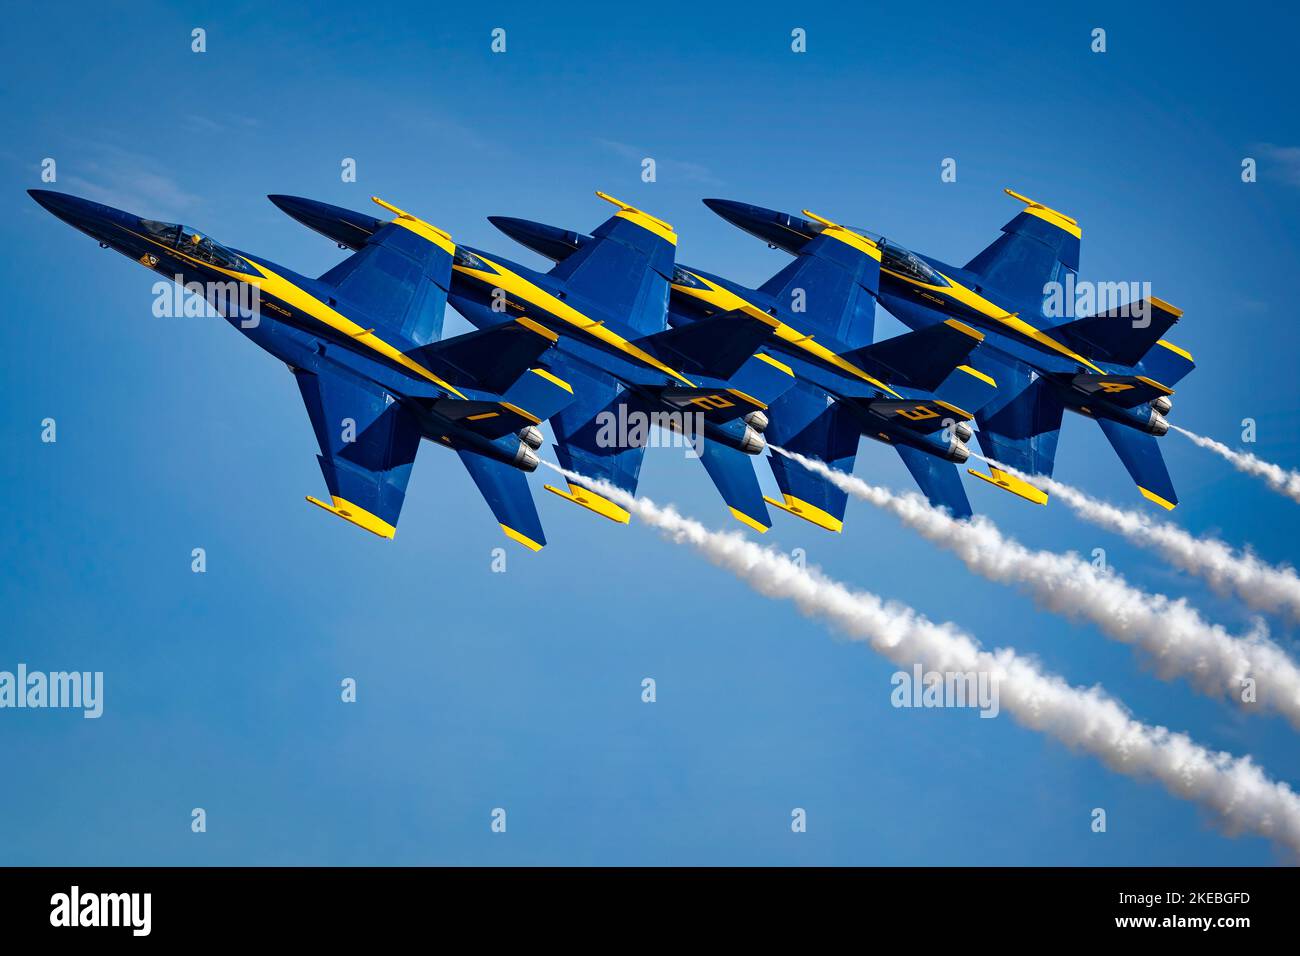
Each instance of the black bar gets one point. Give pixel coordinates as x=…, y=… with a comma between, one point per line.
x=206, y=905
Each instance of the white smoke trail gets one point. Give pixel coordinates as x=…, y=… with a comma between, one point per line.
x=1180, y=641
x=1235, y=789
x=1281, y=480
x=1263, y=586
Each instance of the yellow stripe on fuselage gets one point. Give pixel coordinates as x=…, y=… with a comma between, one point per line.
x=284, y=290
x=977, y=303
x=726, y=300
x=518, y=286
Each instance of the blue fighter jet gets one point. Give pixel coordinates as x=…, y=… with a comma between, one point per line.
x=363, y=344
x=711, y=382
x=912, y=392
x=1113, y=366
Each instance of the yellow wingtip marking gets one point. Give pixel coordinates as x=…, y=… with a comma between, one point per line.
x=553, y=379
x=1158, y=386
x=1176, y=350
x=357, y=515
x=764, y=357
x=523, y=539
x=1173, y=310
x=528, y=416
x=747, y=520
x=1152, y=496
x=1010, y=483
x=538, y=329
x=978, y=374
x=965, y=329
x=810, y=513
x=592, y=502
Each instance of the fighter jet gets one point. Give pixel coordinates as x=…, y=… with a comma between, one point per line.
x=1114, y=366
x=849, y=386
x=608, y=305
x=363, y=344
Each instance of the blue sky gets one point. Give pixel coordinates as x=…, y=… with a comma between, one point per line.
x=522, y=690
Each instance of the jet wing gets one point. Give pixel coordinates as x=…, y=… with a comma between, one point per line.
x=938, y=479
x=507, y=493
x=368, y=443
x=626, y=265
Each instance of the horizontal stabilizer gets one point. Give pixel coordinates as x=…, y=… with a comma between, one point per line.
x=491, y=359
x=1122, y=335
x=716, y=346
x=925, y=416
x=923, y=358
x=1126, y=391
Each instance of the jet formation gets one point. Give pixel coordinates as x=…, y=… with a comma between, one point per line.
x=619, y=342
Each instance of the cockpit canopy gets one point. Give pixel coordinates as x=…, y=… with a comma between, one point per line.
x=193, y=245
x=897, y=259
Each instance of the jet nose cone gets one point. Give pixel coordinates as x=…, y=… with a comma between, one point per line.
x=83, y=213
x=61, y=204
x=726, y=208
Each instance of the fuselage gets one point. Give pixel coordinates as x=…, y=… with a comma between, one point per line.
x=819, y=361
x=489, y=289
x=296, y=319
x=921, y=291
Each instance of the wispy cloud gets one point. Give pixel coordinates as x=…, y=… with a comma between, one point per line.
x=1283, y=160
x=665, y=166
x=119, y=177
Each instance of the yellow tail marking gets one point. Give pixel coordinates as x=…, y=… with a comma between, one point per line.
x=357, y=515
x=439, y=237
x=1058, y=219
x=646, y=221
x=1012, y=484
x=802, y=509
x=593, y=502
